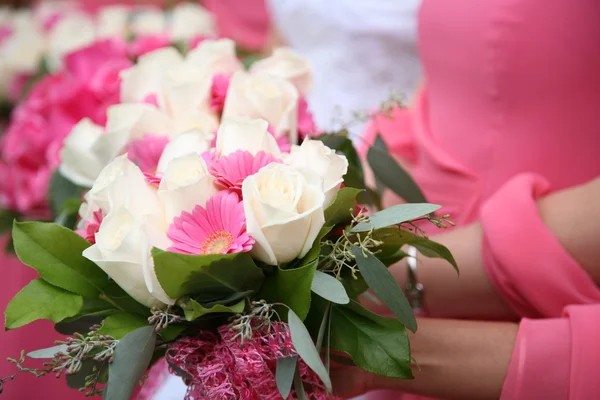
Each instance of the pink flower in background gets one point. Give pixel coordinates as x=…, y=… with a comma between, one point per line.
x=221, y=367
x=91, y=227
x=230, y=171
x=147, y=43
x=306, y=122
x=218, y=92
x=29, y=150
x=146, y=152
x=220, y=228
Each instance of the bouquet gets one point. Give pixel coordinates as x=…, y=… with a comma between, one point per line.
x=220, y=231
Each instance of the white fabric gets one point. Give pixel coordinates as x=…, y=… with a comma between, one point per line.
x=172, y=389
x=359, y=49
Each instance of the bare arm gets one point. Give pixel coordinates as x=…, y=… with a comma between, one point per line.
x=456, y=360
x=570, y=214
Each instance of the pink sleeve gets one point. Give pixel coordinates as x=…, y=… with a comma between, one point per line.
x=524, y=260
x=556, y=358
x=396, y=131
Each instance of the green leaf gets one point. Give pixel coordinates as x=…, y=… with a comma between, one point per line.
x=119, y=325
x=60, y=190
x=117, y=297
x=48, y=352
x=70, y=326
x=431, y=249
x=7, y=218
x=381, y=281
x=390, y=174
x=41, y=300
x=291, y=287
x=323, y=327
x=342, y=208
x=329, y=288
x=55, y=253
x=171, y=332
x=299, y=386
x=132, y=358
x=208, y=277
x=77, y=381
x=306, y=349
x=194, y=310
x=395, y=215
x=376, y=344
x=284, y=374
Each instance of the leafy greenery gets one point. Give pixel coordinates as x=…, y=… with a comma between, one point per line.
x=41, y=300
x=342, y=208
x=284, y=374
x=119, y=325
x=194, y=310
x=55, y=253
x=329, y=288
x=376, y=344
x=64, y=197
x=132, y=358
x=390, y=174
x=395, y=215
x=208, y=277
x=381, y=281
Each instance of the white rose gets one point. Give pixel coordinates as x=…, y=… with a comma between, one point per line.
x=190, y=20
x=284, y=214
x=314, y=159
x=185, y=184
x=187, y=86
x=241, y=133
x=186, y=143
x=72, y=32
x=135, y=120
x=122, y=184
x=147, y=76
x=112, y=21
x=264, y=96
x=22, y=51
x=287, y=64
x=122, y=250
x=148, y=21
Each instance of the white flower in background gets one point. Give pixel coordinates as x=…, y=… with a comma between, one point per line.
x=89, y=147
x=133, y=223
x=186, y=183
x=112, y=21
x=147, y=76
x=189, y=20
x=148, y=21
x=191, y=142
x=317, y=161
x=72, y=32
x=241, y=133
x=287, y=64
x=264, y=96
x=284, y=213
x=215, y=56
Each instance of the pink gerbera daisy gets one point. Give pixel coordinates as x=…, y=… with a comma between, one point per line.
x=146, y=153
x=230, y=171
x=220, y=228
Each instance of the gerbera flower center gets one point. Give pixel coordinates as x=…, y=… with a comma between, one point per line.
x=217, y=243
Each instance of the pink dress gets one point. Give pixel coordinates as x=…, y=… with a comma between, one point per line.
x=509, y=113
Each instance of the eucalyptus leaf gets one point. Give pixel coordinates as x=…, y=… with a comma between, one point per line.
x=77, y=381
x=323, y=327
x=194, y=310
x=49, y=352
x=390, y=174
x=119, y=325
x=299, y=386
x=381, y=281
x=41, y=300
x=306, y=349
x=329, y=288
x=132, y=357
x=395, y=215
x=55, y=253
x=342, y=208
x=208, y=277
x=376, y=344
x=284, y=374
